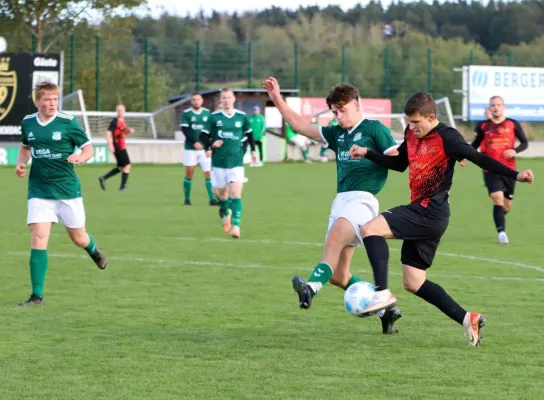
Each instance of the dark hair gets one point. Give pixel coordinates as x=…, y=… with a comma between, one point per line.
x=420, y=103
x=196, y=94
x=342, y=94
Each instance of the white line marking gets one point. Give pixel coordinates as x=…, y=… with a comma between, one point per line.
x=259, y=266
x=310, y=244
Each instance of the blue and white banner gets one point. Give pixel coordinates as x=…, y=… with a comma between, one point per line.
x=521, y=88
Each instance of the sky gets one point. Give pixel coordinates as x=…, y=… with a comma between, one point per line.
x=183, y=7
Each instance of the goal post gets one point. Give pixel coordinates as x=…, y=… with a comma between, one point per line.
x=75, y=103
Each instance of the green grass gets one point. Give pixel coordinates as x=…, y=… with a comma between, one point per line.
x=184, y=312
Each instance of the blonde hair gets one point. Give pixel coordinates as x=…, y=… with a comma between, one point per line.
x=42, y=87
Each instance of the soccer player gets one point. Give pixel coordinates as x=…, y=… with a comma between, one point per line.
x=430, y=150
x=227, y=128
x=258, y=128
x=54, y=192
x=357, y=183
x=324, y=146
x=116, y=138
x=302, y=142
x=496, y=137
x=192, y=122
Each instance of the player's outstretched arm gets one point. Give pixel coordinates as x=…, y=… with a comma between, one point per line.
x=396, y=159
x=457, y=148
x=299, y=124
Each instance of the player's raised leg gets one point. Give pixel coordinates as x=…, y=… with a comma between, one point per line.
x=72, y=215
x=38, y=262
x=339, y=236
x=375, y=233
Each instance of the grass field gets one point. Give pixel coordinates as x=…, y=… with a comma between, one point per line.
x=185, y=312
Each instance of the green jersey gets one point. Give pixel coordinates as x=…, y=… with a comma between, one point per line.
x=51, y=176
x=362, y=174
x=194, y=122
x=258, y=126
x=289, y=132
x=231, y=129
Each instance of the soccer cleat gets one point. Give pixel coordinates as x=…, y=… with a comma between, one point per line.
x=380, y=301
x=503, y=238
x=32, y=301
x=187, y=203
x=473, y=325
x=235, y=232
x=102, y=182
x=388, y=320
x=214, y=202
x=305, y=292
x=245, y=180
x=123, y=189
x=100, y=259
x=227, y=222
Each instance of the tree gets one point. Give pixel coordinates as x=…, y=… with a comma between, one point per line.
x=41, y=17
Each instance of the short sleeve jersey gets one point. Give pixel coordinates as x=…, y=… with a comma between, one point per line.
x=359, y=174
x=51, y=176
x=195, y=123
x=230, y=129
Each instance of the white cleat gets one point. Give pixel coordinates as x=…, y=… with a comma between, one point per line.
x=235, y=232
x=380, y=301
x=503, y=238
x=245, y=180
x=473, y=325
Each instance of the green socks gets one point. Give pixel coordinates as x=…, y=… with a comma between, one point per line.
x=209, y=188
x=38, y=269
x=236, y=209
x=319, y=277
x=187, y=188
x=91, y=247
x=351, y=281
x=305, y=154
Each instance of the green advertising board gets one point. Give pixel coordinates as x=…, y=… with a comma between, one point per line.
x=8, y=155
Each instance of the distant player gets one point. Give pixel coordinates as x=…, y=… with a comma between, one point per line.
x=357, y=183
x=301, y=141
x=193, y=121
x=116, y=138
x=227, y=128
x=430, y=150
x=325, y=146
x=49, y=137
x=496, y=137
x=258, y=128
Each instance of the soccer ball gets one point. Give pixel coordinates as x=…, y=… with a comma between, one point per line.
x=358, y=296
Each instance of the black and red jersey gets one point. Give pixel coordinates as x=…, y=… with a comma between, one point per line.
x=431, y=161
x=119, y=130
x=494, y=139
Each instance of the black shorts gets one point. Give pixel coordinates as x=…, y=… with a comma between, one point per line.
x=420, y=233
x=121, y=155
x=496, y=183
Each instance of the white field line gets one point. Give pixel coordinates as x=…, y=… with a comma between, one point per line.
x=259, y=266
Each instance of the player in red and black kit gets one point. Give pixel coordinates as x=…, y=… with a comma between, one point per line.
x=430, y=150
x=496, y=137
x=116, y=137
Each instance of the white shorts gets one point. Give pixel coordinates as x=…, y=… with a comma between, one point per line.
x=70, y=213
x=193, y=157
x=357, y=207
x=300, y=141
x=221, y=177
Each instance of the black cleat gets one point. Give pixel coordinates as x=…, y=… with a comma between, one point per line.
x=214, y=202
x=32, y=301
x=100, y=259
x=102, y=182
x=305, y=292
x=187, y=203
x=388, y=319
